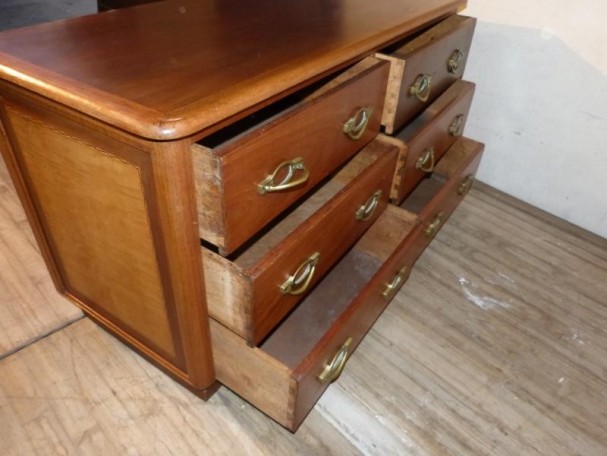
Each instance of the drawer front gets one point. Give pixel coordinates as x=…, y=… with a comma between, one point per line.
x=345, y=334
x=424, y=68
x=253, y=291
x=460, y=164
x=444, y=122
x=322, y=239
x=265, y=171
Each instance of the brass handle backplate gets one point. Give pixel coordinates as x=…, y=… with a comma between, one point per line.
x=393, y=286
x=425, y=162
x=365, y=211
x=420, y=89
x=454, y=61
x=433, y=228
x=456, y=125
x=284, y=177
x=356, y=125
x=466, y=184
x=299, y=282
x=334, y=368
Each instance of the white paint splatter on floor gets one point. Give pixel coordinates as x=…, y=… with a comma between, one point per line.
x=575, y=337
x=484, y=302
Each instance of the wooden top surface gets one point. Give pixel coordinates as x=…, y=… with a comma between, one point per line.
x=170, y=69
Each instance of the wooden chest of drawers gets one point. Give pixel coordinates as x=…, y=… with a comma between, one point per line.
x=217, y=191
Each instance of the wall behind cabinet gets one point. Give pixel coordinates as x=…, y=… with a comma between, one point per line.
x=541, y=103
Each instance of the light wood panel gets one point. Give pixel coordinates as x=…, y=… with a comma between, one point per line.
x=30, y=307
x=95, y=216
x=496, y=345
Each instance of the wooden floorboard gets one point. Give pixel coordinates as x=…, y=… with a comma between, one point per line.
x=30, y=307
x=495, y=346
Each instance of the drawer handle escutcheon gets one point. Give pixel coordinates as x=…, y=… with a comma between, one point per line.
x=297, y=283
x=434, y=226
x=365, y=211
x=425, y=162
x=356, y=125
x=454, y=61
x=334, y=368
x=289, y=168
x=395, y=284
x=456, y=125
x=421, y=87
x=466, y=184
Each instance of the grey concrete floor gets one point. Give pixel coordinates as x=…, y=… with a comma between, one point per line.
x=19, y=13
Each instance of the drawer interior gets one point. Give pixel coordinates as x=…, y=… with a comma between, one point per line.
x=306, y=326
x=281, y=375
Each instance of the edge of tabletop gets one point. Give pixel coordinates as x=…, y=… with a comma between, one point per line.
x=211, y=112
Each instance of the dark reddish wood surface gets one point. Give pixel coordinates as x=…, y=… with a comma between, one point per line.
x=429, y=54
x=431, y=129
x=172, y=69
x=330, y=231
x=314, y=133
x=104, y=5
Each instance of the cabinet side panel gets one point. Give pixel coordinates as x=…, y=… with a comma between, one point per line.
x=92, y=206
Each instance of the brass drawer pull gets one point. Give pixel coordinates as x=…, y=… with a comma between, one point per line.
x=284, y=173
x=365, y=211
x=454, y=61
x=434, y=226
x=297, y=283
x=393, y=286
x=466, y=184
x=334, y=368
x=421, y=87
x=425, y=162
x=456, y=125
x=356, y=125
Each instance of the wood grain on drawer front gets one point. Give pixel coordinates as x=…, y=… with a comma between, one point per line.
x=428, y=54
x=282, y=376
x=231, y=208
x=430, y=135
x=245, y=293
x=437, y=196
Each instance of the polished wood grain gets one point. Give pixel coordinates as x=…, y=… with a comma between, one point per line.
x=426, y=54
x=311, y=129
x=99, y=201
x=65, y=175
x=244, y=292
x=174, y=196
x=494, y=346
x=429, y=130
x=441, y=193
x=171, y=69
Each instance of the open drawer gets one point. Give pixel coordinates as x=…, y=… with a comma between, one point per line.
x=421, y=69
x=287, y=373
x=423, y=142
x=253, y=289
x=250, y=172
